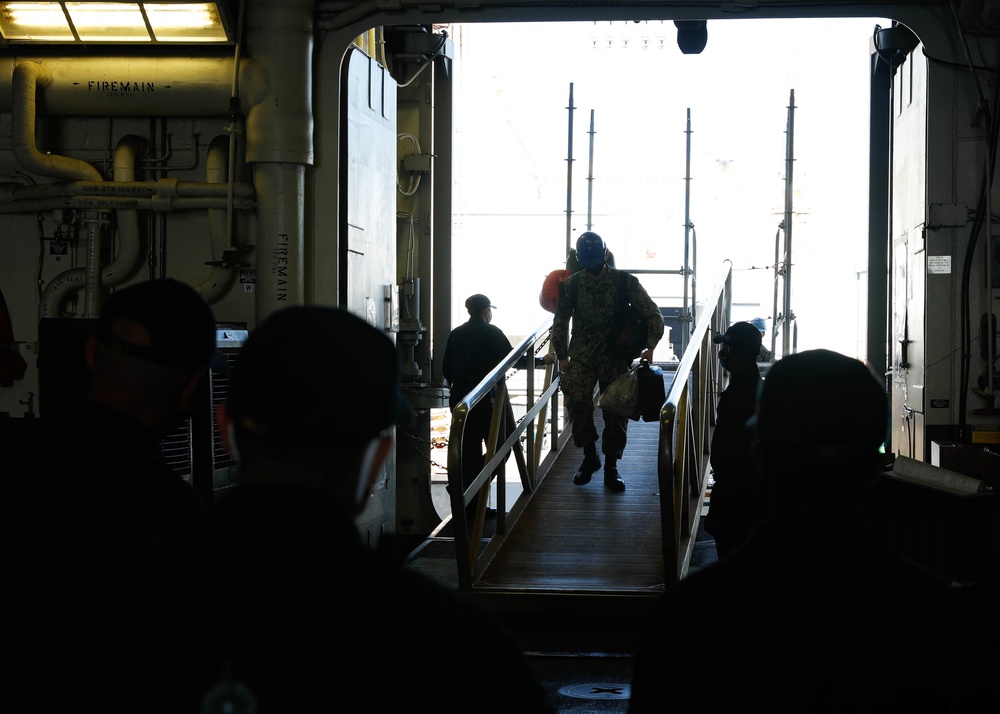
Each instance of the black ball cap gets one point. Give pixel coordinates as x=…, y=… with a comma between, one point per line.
x=178, y=321
x=308, y=375
x=742, y=338
x=478, y=303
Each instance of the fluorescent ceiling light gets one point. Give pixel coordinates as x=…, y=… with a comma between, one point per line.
x=113, y=22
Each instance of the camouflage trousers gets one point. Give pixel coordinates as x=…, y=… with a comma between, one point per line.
x=578, y=387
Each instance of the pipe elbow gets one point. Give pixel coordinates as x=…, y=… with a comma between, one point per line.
x=127, y=154
x=25, y=81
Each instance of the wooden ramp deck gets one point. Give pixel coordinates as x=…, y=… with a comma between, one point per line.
x=587, y=539
x=575, y=552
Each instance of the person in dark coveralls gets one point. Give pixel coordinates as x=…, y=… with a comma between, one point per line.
x=815, y=612
x=739, y=498
x=474, y=348
x=273, y=603
x=98, y=479
x=588, y=359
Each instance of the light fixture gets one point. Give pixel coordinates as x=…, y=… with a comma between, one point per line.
x=166, y=21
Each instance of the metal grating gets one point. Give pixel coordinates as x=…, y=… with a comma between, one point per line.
x=176, y=450
x=221, y=458
x=177, y=446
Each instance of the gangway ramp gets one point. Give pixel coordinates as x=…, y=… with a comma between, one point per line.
x=587, y=539
x=577, y=555
x=558, y=551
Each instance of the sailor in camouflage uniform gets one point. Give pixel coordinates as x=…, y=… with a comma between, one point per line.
x=589, y=359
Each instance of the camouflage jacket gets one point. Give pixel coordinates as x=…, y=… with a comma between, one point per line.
x=593, y=315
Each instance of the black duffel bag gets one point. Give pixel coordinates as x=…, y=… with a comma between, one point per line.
x=652, y=393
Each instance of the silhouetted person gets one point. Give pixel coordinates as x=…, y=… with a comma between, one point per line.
x=473, y=350
x=97, y=478
x=766, y=356
x=590, y=299
x=814, y=613
x=275, y=599
x=739, y=498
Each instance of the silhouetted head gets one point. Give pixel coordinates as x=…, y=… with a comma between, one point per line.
x=163, y=322
x=152, y=342
x=740, y=346
x=821, y=418
x=314, y=392
x=477, y=303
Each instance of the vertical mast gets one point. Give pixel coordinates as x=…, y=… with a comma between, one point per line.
x=569, y=175
x=590, y=177
x=786, y=335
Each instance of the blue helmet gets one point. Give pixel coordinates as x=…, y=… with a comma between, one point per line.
x=590, y=249
x=760, y=323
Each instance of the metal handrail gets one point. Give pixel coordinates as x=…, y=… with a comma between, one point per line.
x=682, y=451
x=471, y=562
x=686, y=418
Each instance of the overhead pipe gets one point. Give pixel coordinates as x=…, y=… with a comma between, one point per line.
x=27, y=77
x=58, y=289
x=165, y=189
x=235, y=127
x=126, y=259
x=102, y=85
x=82, y=86
x=94, y=222
x=153, y=203
x=276, y=98
x=279, y=130
x=220, y=278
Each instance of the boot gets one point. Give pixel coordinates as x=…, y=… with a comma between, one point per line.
x=590, y=464
x=612, y=479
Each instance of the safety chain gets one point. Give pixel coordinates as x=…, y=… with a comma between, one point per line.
x=422, y=442
x=542, y=345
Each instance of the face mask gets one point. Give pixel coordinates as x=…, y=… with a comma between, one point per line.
x=596, y=269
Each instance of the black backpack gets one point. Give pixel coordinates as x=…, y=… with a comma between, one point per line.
x=631, y=331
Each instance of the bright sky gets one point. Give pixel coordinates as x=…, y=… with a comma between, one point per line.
x=512, y=144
